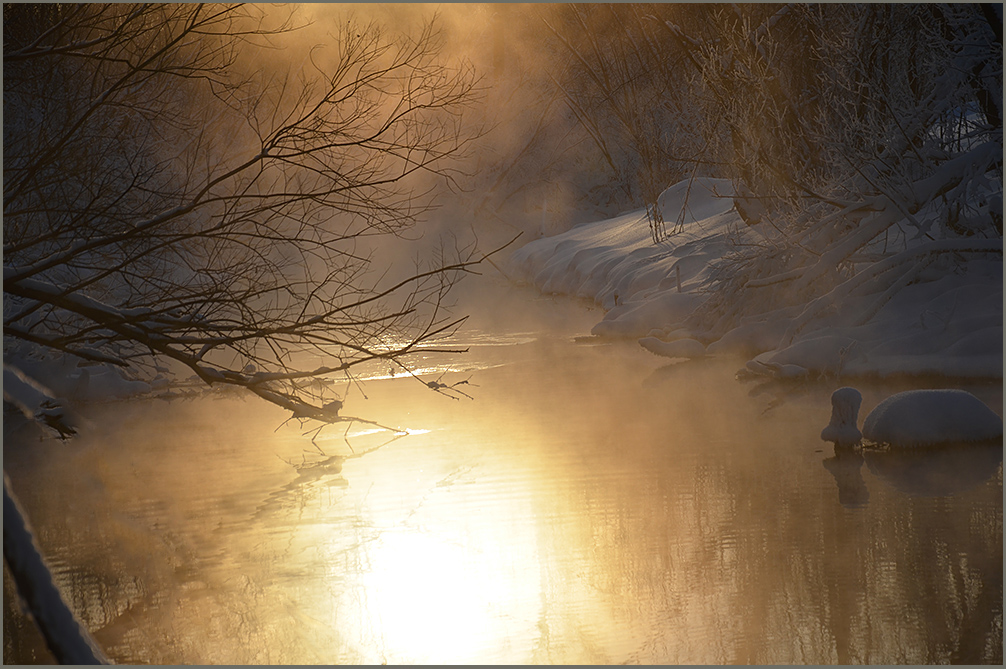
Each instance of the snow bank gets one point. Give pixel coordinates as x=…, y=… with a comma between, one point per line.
x=948, y=327
x=67, y=378
x=938, y=321
x=644, y=286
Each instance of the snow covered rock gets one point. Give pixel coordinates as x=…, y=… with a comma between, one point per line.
x=842, y=429
x=928, y=417
x=913, y=418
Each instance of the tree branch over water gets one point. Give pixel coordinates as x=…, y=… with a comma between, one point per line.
x=169, y=194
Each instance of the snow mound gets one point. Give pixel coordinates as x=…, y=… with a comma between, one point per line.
x=842, y=428
x=943, y=318
x=645, y=286
x=931, y=417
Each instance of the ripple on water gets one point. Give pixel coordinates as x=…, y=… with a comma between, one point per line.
x=568, y=514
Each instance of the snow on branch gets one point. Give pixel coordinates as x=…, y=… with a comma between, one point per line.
x=65, y=636
x=35, y=401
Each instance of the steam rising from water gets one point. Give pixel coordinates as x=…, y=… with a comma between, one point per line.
x=586, y=506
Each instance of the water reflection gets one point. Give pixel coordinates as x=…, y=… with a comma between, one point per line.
x=846, y=466
x=569, y=514
x=946, y=470
x=935, y=472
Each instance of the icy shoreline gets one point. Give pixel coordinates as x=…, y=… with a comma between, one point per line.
x=934, y=322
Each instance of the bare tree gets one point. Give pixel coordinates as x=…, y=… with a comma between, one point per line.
x=624, y=87
x=168, y=197
x=865, y=139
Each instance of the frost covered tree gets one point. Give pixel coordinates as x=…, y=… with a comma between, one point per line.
x=172, y=197
x=865, y=142
x=622, y=79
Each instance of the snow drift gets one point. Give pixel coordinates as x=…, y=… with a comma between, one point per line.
x=926, y=306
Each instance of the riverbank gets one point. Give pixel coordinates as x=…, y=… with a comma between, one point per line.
x=940, y=318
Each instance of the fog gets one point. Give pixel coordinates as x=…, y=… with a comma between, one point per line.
x=588, y=505
x=674, y=236
x=505, y=47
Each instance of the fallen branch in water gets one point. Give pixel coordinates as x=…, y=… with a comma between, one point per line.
x=65, y=636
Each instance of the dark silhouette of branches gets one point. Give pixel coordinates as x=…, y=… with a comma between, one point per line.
x=170, y=195
x=166, y=197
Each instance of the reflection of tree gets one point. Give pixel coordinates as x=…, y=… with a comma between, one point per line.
x=325, y=470
x=743, y=555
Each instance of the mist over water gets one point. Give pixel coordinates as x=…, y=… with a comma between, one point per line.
x=564, y=499
x=591, y=504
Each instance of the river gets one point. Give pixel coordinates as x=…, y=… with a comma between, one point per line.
x=581, y=502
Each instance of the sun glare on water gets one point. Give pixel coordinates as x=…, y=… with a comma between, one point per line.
x=432, y=600
x=444, y=572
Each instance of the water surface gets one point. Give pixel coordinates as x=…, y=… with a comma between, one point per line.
x=591, y=504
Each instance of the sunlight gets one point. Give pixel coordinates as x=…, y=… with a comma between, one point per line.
x=444, y=574
x=489, y=333
x=433, y=600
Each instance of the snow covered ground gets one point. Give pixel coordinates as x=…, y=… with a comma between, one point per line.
x=944, y=319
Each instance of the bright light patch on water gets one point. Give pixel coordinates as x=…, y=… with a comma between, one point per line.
x=438, y=601
x=589, y=506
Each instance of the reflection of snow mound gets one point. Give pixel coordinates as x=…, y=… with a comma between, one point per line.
x=930, y=472
x=846, y=467
x=936, y=472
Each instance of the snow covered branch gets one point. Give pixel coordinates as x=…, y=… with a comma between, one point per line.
x=64, y=634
